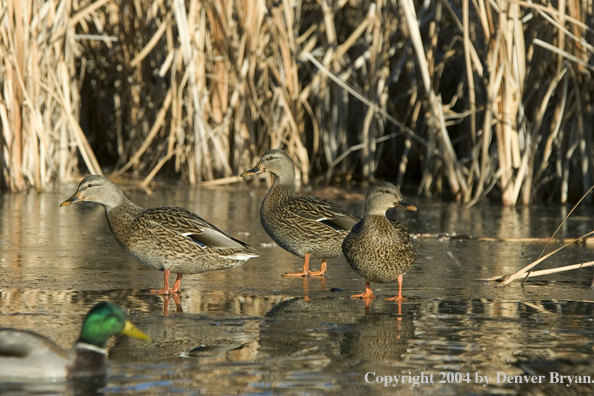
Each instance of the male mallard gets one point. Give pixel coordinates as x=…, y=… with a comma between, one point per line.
x=165, y=238
x=379, y=249
x=308, y=227
x=24, y=354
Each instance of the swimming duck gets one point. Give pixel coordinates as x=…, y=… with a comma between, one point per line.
x=379, y=249
x=170, y=239
x=24, y=354
x=307, y=226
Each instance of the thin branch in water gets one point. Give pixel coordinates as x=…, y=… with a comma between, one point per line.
x=506, y=279
x=557, y=230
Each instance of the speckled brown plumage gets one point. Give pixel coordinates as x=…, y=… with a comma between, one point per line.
x=179, y=240
x=306, y=226
x=379, y=249
x=170, y=239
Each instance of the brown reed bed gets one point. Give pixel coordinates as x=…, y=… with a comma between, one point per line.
x=464, y=98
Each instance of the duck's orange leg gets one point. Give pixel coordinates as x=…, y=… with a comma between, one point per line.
x=177, y=284
x=322, y=270
x=368, y=295
x=166, y=289
x=305, y=271
x=399, y=296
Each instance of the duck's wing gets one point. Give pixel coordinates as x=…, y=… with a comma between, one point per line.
x=400, y=228
x=404, y=243
x=323, y=211
x=180, y=222
x=24, y=354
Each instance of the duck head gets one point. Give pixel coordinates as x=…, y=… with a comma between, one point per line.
x=276, y=162
x=383, y=196
x=98, y=189
x=105, y=320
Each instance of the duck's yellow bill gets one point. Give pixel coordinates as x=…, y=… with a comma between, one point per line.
x=132, y=331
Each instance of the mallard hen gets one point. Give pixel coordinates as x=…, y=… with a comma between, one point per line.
x=28, y=355
x=379, y=249
x=307, y=226
x=170, y=239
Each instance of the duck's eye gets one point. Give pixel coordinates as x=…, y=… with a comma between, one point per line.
x=387, y=191
x=269, y=158
x=89, y=185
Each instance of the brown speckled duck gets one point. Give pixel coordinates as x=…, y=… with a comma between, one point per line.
x=170, y=239
x=377, y=248
x=307, y=226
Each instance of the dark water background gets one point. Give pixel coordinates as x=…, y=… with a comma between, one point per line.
x=270, y=335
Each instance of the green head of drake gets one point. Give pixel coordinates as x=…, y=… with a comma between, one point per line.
x=105, y=320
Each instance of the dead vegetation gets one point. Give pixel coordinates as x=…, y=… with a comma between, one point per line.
x=469, y=98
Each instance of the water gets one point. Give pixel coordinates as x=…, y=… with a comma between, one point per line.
x=264, y=334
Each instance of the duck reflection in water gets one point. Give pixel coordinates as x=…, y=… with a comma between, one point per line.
x=328, y=332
